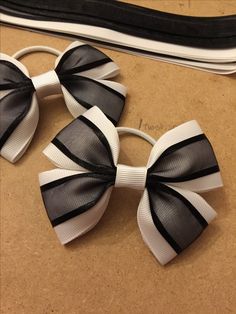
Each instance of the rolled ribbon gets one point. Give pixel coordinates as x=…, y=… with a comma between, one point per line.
x=206, y=43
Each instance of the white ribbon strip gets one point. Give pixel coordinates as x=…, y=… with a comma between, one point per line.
x=47, y=84
x=220, y=61
x=18, y=142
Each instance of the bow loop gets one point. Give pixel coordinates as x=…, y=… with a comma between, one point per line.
x=69, y=214
x=108, y=96
x=170, y=219
x=85, y=144
x=61, y=196
x=87, y=151
x=14, y=108
x=82, y=69
x=184, y=157
x=79, y=58
x=11, y=75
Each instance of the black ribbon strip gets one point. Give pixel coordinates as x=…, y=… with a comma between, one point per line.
x=202, y=32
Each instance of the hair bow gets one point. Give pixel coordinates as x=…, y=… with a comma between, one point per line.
x=80, y=75
x=170, y=214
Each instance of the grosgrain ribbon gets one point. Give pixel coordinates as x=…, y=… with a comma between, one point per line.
x=203, y=43
x=81, y=74
x=170, y=214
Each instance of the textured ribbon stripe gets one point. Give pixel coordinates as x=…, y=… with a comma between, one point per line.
x=81, y=75
x=131, y=177
x=206, y=43
x=170, y=217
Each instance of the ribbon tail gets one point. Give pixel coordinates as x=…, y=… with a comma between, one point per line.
x=150, y=234
x=201, y=184
x=171, y=221
x=107, y=95
x=74, y=200
x=20, y=132
x=83, y=223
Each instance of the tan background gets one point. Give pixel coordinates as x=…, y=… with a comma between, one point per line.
x=110, y=270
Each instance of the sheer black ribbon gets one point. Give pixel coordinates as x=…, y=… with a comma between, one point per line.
x=174, y=215
x=86, y=91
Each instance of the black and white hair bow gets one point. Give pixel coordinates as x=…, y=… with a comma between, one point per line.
x=171, y=215
x=80, y=74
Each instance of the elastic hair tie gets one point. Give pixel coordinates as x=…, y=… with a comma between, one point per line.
x=81, y=75
x=19, y=54
x=125, y=130
x=171, y=215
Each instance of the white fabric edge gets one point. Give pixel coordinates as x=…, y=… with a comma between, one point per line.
x=81, y=224
x=121, y=89
x=202, y=184
x=216, y=68
x=206, y=211
x=74, y=107
x=174, y=136
x=151, y=236
x=19, y=140
x=56, y=174
x=210, y=55
x=59, y=159
x=96, y=116
x=104, y=71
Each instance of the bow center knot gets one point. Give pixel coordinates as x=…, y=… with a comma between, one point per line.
x=131, y=177
x=47, y=84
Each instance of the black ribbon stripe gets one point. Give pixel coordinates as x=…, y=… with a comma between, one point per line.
x=104, y=176
x=62, y=200
x=12, y=77
x=203, y=32
x=101, y=137
x=178, y=221
x=13, y=109
x=66, y=132
x=184, y=161
x=81, y=58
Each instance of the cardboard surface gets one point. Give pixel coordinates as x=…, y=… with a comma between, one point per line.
x=110, y=269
